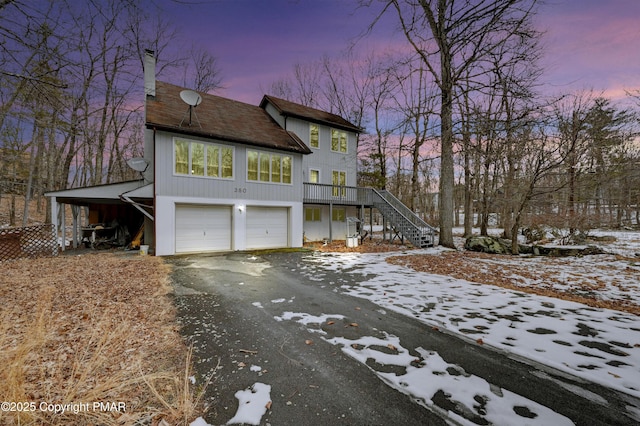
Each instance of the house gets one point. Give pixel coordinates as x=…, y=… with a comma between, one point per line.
x=221, y=175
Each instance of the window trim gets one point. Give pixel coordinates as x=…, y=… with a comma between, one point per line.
x=346, y=141
x=336, y=211
x=206, y=145
x=318, y=141
x=336, y=192
x=313, y=215
x=319, y=176
x=270, y=173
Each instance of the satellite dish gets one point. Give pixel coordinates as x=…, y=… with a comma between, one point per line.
x=138, y=164
x=191, y=98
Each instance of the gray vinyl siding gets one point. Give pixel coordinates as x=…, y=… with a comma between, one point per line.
x=169, y=184
x=322, y=158
x=273, y=112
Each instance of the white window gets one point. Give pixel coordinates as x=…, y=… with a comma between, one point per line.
x=268, y=167
x=338, y=141
x=339, y=179
x=193, y=158
x=312, y=214
x=314, y=136
x=338, y=215
x=314, y=176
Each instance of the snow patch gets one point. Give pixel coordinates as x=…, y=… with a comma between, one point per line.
x=252, y=404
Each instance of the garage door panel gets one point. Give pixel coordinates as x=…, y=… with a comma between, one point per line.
x=267, y=227
x=203, y=228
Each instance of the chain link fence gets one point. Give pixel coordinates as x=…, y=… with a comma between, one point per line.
x=29, y=241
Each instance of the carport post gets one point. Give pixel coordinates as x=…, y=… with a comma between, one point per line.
x=75, y=210
x=54, y=216
x=64, y=228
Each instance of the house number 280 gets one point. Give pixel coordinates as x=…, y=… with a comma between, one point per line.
x=241, y=190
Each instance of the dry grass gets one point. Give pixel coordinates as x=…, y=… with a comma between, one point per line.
x=92, y=328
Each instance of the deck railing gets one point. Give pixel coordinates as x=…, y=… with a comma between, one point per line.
x=337, y=194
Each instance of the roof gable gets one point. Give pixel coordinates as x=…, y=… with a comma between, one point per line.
x=218, y=118
x=292, y=109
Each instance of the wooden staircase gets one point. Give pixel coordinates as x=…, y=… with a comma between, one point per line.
x=402, y=220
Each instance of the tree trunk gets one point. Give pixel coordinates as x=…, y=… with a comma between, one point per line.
x=446, y=154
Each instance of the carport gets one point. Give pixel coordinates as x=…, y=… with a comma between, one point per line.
x=130, y=204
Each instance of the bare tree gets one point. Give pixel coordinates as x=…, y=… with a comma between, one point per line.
x=201, y=71
x=453, y=37
x=415, y=102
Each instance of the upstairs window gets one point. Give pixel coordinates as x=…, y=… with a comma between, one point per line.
x=338, y=141
x=203, y=159
x=339, y=180
x=314, y=176
x=267, y=167
x=314, y=136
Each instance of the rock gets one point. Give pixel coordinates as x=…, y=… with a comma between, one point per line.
x=565, y=251
x=534, y=233
x=484, y=244
x=496, y=245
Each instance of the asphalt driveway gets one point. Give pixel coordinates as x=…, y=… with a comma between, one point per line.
x=330, y=358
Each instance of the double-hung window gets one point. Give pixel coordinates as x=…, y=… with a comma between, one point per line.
x=314, y=136
x=194, y=158
x=338, y=141
x=269, y=167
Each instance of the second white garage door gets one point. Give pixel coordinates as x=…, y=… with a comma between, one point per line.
x=202, y=228
x=267, y=227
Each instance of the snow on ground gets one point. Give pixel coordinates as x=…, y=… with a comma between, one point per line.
x=425, y=377
x=253, y=403
x=597, y=344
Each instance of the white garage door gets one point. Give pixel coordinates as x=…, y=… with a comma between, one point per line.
x=203, y=228
x=267, y=227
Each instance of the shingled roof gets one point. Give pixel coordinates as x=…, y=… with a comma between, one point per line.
x=292, y=109
x=219, y=118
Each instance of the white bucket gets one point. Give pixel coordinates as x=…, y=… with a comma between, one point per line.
x=144, y=250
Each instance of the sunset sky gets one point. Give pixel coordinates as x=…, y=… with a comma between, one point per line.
x=590, y=44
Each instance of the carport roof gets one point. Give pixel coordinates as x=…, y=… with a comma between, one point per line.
x=103, y=194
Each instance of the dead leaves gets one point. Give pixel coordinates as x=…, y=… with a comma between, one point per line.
x=366, y=246
x=572, y=284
